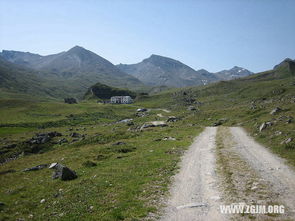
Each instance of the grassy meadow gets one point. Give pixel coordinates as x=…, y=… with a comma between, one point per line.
x=129, y=181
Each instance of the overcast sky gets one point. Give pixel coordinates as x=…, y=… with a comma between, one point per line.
x=214, y=35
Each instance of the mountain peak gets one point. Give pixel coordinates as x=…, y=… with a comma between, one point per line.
x=77, y=48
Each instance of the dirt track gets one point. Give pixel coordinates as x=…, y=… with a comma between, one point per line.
x=196, y=193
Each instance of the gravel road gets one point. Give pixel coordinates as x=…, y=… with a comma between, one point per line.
x=194, y=195
x=269, y=166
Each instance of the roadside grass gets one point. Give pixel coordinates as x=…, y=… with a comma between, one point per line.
x=239, y=182
x=126, y=182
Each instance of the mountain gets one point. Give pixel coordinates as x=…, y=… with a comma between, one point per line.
x=20, y=80
x=102, y=91
x=158, y=70
x=235, y=72
x=288, y=65
x=77, y=67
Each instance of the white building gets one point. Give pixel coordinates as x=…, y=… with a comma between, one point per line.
x=121, y=100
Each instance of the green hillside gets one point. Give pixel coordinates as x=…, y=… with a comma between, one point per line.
x=123, y=170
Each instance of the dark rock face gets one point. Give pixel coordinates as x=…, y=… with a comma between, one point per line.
x=70, y=100
x=62, y=172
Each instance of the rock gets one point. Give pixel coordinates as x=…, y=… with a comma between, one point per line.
x=264, y=125
x=288, y=140
x=125, y=120
x=276, y=110
x=154, y=124
x=63, y=140
x=172, y=119
x=75, y=134
x=42, y=138
x=62, y=172
x=277, y=133
x=141, y=110
x=169, y=138
x=191, y=108
x=119, y=143
x=219, y=122
x=70, y=100
x=39, y=167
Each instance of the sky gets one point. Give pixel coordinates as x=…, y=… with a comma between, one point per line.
x=209, y=34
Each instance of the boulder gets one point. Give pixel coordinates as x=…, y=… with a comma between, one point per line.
x=62, y=172
x=141, y=110
x=154, y=124
x=276, y=110
x=70, y=100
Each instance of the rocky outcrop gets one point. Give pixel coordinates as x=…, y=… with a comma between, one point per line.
x=70, y=100
x=62, y=172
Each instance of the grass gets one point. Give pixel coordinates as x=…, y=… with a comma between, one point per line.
x=115, y=182
x=129, y=180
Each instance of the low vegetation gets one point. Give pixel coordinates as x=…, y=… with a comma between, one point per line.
x=123, y=170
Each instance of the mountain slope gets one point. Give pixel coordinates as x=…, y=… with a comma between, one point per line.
x=158, y=70
x=20, y=80
x=233, y=73
x=77, y=67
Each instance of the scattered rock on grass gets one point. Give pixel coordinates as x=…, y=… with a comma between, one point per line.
x=288, y=140
x=39, y=167
x=75, y=134
x=154, y=124
x=264, y=125
x=119, y=143
x=62, y=172
x=172, y=119
x=191, y=108
x=169, y=138
x=276, y=110
x=141, y=110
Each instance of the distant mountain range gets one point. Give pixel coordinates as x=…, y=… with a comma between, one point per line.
x=77, y=67
x=74, y=71
x=158, y=70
